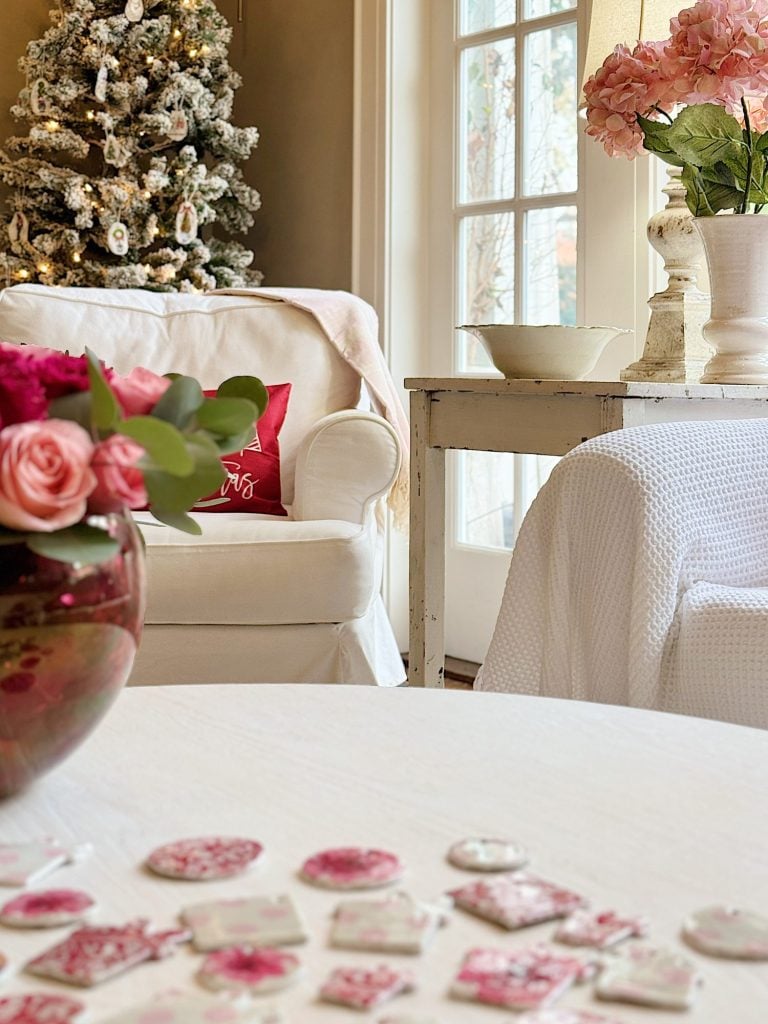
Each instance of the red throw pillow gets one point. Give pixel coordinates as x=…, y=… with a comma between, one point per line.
x=253, y=482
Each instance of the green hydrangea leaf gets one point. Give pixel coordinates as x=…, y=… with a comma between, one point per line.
x=695, y=194
x=226, y=416
x=246, y=387
x=180, y=402
x=79, y=543
x=704, y=134
x=655, y=140
x=105, y=411
x=164, y=444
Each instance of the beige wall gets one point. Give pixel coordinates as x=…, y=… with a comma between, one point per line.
x=296, y=58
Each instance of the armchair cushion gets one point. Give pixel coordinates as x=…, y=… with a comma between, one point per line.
x=253, y=474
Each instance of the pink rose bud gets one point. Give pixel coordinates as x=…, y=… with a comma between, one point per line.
x=140, y=391
x=119, y=481
x=45, y=475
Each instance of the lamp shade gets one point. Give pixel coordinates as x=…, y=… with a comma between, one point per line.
x=625, y=21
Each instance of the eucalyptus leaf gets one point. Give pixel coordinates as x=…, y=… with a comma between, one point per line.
x=235, y=443
x=164, y=444
x=179, y=521
x=704, y=134
x=77, y=408
x=655, y=140
x=105, y=411
x=80, y=543
x=246, y=387
x=174, y=494
x=226, y=416
x=180, y=402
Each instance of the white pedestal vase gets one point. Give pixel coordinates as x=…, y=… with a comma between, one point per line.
x=675, y=350
x=736, y=247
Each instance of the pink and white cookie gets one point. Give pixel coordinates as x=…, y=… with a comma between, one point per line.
x=600, y=929
x=352, y=867
x=41, y=1008
x=253, y=921
x=179, y=1007
x=728, y=932
x=487, y=855
x=46, y=909
x=407, y=1018
x=26, y=863
x=365, y=988
x=246, y=969
x=565, y=1017
x=521, y=979
x=396, y=924
x=205, y=859
x=516, y=900
x=651, y=977
x=91, y=955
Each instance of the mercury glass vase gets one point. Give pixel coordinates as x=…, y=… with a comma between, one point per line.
x=68, y=638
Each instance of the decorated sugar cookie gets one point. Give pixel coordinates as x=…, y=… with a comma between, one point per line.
x=516, y=900
x=652, y=977
x=487, y=855
x=365, y=988
x=204, y=859
x=41, y=1008
x=519, y=979
x=396, y=924
x=178, y=1007
x=256, y=921
x=91, y=955
x=565, y=1017
x=407, y=1018
x=601, y=930
x=248, y=969
x=728, y=932
x=27, y=863
x=352, y=867
x=46, y=909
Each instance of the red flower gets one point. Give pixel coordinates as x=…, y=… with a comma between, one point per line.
x=22, y=395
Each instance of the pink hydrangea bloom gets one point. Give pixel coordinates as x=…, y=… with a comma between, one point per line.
x=718, y=52
x=628, y=83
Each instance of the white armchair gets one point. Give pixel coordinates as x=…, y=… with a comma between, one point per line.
x=256, y=598
x=640, y=575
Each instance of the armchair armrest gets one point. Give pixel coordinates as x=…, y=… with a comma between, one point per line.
x=346, y=463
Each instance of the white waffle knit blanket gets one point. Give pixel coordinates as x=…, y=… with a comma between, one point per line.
x=640, y=576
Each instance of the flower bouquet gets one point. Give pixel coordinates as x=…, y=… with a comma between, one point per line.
x=79, y=441
x=698, y=100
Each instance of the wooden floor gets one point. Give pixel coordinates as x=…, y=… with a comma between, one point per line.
x=459, y=675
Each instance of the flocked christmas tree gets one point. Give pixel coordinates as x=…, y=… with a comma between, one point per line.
x=131, y=160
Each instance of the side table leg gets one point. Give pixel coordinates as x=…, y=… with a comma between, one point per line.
x=426, y=647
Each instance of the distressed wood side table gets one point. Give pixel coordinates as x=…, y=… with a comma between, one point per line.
x=536, y=417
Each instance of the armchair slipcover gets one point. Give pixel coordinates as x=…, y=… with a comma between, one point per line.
x=640, y=576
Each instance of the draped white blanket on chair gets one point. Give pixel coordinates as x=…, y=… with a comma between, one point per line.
x=640, y=575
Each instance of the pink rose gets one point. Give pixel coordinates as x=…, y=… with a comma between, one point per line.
x=45, y=475
x=119, y=481
x=140, y=391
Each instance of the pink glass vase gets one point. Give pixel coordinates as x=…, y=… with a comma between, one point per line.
x=68, y=637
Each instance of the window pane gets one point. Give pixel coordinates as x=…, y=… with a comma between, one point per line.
x=550, y=266
x=477, y=15
x=538, y=8
x=551, y=137
x=487, y=275
x=495, y=492
x=488, y=121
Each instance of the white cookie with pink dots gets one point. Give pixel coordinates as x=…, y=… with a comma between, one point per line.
x=518, y=979
x=728, y=932
x=517, y=899
x=487, y=854
x=651, y=977
x=205, y=859
x=177, y=1007
x=396, y=924
x=564, y=1017
x=600, y=929
x=26, y=863
x=252, y=921
x=407, y=1018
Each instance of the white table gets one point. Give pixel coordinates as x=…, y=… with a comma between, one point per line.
x=639, y=811
x=537, y=417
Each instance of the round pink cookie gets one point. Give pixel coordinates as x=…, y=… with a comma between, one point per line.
x=41, y=1009
x=204, y=859
x=352, y=867
x=245, y=968
x=728, y=932
x=487, y=855
x=46, y=908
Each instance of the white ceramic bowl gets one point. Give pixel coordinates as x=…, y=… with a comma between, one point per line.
x=522, y=351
